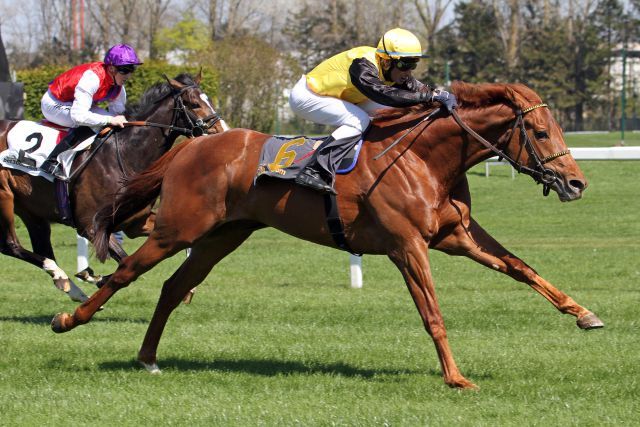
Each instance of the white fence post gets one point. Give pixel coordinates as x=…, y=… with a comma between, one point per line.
x=356, y=271
x=83, y=253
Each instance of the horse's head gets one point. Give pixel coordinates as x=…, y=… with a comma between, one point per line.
x=193, y=108
x=531, y=139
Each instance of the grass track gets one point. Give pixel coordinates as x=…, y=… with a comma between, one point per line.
x=275, y=336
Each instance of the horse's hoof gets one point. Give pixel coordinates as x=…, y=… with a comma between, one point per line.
x=63, y=284
x=188, y=297
x=152, y=368
x=59, y=323
x=88, y=275
x=589, y=321
x=462, y=383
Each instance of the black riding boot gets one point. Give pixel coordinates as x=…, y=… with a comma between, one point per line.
x=51, y=164
x=313, y=175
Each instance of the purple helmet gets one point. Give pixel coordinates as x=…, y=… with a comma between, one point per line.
x=121, y=54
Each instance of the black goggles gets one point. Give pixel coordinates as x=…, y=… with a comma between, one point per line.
x=406, y=64
x=126, y=69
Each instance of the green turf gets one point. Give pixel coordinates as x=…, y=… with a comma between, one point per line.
x=601, y=139
x=276, y=337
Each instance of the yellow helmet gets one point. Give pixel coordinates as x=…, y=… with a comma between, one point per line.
x=399, y=43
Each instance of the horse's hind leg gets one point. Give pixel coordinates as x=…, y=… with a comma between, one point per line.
x=468, y=238
x=207, y=253
x=152, y=251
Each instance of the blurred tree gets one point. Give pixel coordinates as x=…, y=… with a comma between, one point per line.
x=476, y=51
x=609, y=18
x=507, y=15
x=183, y=39
x=253, y=75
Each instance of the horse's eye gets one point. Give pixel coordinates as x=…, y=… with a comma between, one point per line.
x=541, y=134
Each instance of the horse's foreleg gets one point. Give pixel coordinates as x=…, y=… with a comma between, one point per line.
x=474, y=242
x=193, y=271
x=131, y=267
x=413, y=263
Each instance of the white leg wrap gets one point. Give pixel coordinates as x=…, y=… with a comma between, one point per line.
x=53, y=270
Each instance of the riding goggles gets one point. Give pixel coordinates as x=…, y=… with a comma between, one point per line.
x=126, y=69
x=406, y=64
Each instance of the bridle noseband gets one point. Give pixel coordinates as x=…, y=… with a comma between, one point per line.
x=541, y=174
x=197, y=125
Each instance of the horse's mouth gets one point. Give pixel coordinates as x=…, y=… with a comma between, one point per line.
x=569, y=189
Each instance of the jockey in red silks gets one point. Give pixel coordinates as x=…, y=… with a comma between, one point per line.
x=72, y=97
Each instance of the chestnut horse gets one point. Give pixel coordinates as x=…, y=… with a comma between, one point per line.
x=169, y=109
x=413, y=198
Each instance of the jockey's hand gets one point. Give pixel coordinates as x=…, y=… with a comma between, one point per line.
x=118, y=121
x=448, y=100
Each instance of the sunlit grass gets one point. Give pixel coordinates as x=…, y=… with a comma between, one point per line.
x=267, y=344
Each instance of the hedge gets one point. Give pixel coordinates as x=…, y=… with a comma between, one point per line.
x=36, y=81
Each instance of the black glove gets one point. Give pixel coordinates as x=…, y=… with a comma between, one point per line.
x=448, y=100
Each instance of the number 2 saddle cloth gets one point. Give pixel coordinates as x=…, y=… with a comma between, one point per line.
x=284, y=157
x=29, y=144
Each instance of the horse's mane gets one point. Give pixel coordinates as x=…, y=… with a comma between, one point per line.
x=469, y=96
x=153, y=94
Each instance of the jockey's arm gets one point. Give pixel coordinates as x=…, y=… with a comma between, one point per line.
x=364, y=76
x=81, y=112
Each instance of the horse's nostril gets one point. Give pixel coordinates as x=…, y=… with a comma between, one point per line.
x=578, y=184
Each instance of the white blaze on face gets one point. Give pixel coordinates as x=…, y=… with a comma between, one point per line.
x=205, y=98
x=53, y=270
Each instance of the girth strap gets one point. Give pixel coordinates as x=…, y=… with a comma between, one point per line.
x=336, y=228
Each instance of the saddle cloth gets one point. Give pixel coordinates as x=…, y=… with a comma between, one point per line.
x=30, y=144
x=283, y=157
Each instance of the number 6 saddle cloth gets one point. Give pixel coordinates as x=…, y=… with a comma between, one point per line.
x=284, y=157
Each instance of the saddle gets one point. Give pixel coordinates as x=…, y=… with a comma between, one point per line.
x=283, y=157
x=29, y=144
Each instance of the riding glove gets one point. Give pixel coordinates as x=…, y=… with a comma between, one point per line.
x=448, y=100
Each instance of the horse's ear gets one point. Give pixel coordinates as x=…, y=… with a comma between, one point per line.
x=198, y=78
x=173, y=83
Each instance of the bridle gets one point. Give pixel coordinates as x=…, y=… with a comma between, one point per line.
x=197, y=127
x=541, y=174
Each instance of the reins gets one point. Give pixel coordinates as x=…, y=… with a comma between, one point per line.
x=541, y=174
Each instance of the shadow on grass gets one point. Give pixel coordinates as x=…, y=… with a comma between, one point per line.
x=45, y=319
x=267, y=368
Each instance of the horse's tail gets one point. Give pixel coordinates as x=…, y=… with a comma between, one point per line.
x=137, y=193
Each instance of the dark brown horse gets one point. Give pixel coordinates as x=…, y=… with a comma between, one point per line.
x=414, y=198
x=177, y=104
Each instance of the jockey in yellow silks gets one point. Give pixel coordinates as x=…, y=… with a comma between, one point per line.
x=343, y=90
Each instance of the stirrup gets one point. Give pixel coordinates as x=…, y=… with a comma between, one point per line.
x=311, y=179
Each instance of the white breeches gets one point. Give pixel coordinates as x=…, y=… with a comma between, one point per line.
x=59, y=112
x=351, y=119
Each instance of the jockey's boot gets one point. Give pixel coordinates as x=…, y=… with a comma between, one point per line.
x=51, y=164
x=313, y=175
x=311, y=178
